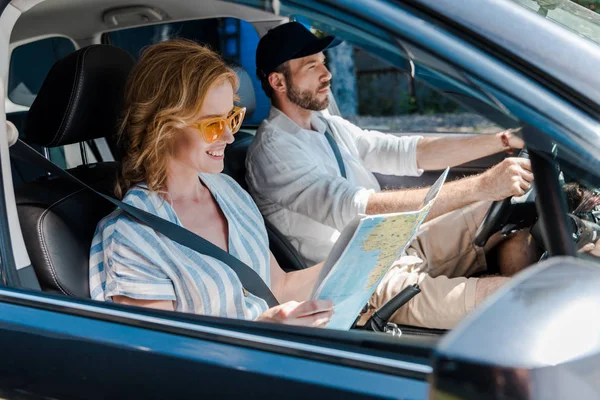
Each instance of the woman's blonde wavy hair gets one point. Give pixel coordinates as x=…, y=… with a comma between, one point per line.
x=164, y=93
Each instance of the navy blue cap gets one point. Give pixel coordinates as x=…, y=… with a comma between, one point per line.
x=288, y=42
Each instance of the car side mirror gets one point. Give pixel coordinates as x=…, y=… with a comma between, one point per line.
x=536, y=338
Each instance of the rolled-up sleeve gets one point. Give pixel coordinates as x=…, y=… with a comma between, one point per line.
x=384, y=153
x=284, y=174
x=131, y=274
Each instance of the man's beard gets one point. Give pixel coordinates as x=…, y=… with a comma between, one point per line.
x=306, y=99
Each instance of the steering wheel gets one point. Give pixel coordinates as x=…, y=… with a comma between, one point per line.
x=498, y=213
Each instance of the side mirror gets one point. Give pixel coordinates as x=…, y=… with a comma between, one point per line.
x=537, y=338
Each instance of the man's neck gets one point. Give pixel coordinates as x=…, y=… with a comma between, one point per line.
x=301, y=116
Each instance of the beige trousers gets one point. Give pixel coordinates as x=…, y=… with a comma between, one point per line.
x=445, y=244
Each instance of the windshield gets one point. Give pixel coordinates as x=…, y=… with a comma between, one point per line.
x=574, y=17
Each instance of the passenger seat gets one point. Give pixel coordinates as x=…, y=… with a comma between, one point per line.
x=80, y=100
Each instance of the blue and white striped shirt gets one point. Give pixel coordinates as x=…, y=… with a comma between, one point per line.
x=130, y=259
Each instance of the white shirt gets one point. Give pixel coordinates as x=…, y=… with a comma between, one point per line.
x=295, y=180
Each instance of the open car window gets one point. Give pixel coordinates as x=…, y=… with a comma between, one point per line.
x=381, y=94
x=244, y=351
x=378, y=60
x=379, y=84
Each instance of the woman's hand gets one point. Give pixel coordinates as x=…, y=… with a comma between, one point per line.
x=316, y=313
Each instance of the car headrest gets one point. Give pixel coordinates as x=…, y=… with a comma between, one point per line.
x=246, y=90
x=81, y=97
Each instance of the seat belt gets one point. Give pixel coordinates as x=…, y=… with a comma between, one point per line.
x=336, y=150
x=250, y=280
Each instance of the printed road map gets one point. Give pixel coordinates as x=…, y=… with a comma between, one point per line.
x=365, y=251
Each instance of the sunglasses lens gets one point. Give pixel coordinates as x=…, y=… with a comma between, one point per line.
x=214, y=131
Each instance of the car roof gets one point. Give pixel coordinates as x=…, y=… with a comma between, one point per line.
x=81, y=20
x=559, y=56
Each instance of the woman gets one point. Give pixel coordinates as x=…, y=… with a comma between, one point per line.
x=179, y=117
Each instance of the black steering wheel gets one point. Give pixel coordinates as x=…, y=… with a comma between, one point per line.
x=497, y=214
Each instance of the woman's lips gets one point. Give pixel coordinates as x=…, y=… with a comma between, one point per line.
x=216, y=154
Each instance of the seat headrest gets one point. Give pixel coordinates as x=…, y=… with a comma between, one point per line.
x=81, y=97
x=246, y=90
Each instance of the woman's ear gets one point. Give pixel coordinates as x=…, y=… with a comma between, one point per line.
x=277, y=82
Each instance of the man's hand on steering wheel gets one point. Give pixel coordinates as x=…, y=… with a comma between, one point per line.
x=512, y=177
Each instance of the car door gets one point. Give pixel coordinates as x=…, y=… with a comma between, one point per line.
x=62, y=348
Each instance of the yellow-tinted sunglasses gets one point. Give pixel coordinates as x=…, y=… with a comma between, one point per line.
x=213, y=128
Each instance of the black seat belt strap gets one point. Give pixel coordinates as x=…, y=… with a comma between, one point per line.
x=336, y=150
x=249, y=278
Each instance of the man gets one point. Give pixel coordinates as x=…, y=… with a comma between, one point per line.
x=298, y=185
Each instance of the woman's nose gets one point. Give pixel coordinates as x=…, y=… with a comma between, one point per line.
x=228, y=136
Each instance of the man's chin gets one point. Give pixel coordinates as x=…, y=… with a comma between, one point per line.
x=322, y=106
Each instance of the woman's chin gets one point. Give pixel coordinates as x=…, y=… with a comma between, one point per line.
x=213, y=167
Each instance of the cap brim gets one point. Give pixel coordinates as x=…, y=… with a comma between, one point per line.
x=318, y=46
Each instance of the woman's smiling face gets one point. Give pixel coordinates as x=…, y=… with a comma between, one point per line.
x=189, y=148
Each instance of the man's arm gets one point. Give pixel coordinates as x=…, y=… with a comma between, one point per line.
x=453, y=195
x=449, y=151
x=512, y=177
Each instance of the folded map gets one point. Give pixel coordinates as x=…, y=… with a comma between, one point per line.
x=364, y=252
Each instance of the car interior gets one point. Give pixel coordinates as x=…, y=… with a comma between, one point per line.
x=58, y=218
x=78, y=104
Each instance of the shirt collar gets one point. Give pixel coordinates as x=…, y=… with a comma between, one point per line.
x=281, y=121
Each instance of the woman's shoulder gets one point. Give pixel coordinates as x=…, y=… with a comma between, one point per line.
x=118, y=223
x=138, y=196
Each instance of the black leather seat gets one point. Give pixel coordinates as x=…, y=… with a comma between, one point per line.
x=80, y=100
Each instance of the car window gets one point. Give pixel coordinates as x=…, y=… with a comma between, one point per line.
x=376, y=86
x=29, y=65
x=376, y=94
x=234, y=39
